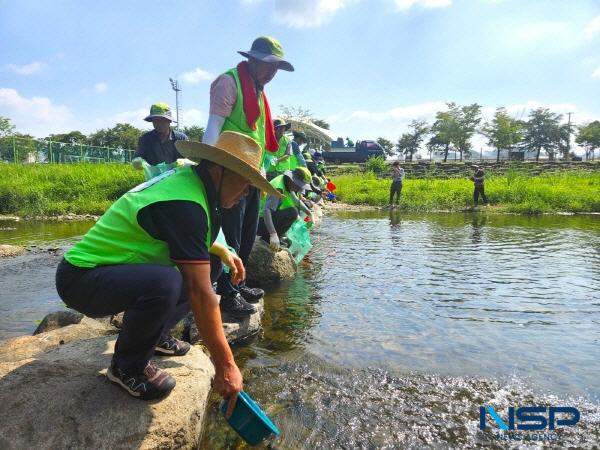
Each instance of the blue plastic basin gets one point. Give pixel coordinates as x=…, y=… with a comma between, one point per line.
x=249, y=420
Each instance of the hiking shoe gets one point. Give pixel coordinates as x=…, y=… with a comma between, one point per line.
x=236, y=306
x=169, y=346
x=152, y=383
x=251, y=295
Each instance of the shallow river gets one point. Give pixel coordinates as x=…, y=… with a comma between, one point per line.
x=400, y=327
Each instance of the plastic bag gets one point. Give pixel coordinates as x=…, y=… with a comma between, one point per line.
x=299, y=237
x=151, y=171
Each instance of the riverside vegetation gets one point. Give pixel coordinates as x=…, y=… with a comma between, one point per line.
x=514, y=192
x=55, y=189
x=50, y=190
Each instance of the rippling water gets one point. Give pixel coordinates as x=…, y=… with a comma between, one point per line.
x=399, y=327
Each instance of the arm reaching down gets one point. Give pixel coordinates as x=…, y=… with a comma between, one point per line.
x=228, y=379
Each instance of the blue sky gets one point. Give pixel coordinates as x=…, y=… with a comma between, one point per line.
x=367, y=67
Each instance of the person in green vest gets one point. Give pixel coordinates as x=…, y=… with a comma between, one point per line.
x=280, y=161
x=297, y=158
x=279, y=213
x=149, y=255
x=238, y=102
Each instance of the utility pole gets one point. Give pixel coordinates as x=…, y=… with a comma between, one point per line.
x=175, y=86
x=569, y=138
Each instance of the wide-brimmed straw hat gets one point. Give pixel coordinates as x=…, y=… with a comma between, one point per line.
x=268, y=49
x=159, y=110
x=234, y=151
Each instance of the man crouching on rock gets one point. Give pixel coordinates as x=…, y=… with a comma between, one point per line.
x=148, y=256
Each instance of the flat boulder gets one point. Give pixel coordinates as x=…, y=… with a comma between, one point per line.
x=62, y=399
x=11, y=250
x=27, y=347
x=266, y=267
x=236, y=330
x=58, y=319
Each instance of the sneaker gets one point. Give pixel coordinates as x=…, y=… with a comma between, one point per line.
x=152, y=383
x=251, y=295
x=236, y=306
x=169, y=346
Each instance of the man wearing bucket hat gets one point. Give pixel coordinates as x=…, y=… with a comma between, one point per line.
x=148, y=256
x=158, y=146
x=238, y=103
x=278, y=214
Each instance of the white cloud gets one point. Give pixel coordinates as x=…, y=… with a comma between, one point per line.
x=593, y=28
x=35, y=115
x=100, y=87
x=405, y=5
x=403, y=113
x=27, y=69
x=306, y=13
x=197, y=75
x=596, y=73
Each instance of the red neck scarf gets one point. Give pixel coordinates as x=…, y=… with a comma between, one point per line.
x=252, y=108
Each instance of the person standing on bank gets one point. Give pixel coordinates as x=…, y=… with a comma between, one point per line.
x=397, y=180
x=148, y=255
x=478, y=179
x=238, y=102
x=158, y=145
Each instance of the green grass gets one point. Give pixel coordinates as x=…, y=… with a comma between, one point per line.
x=515, y=192
x=55, y=189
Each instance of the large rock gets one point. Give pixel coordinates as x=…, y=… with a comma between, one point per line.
x=266, y=267
x=61, y=399
x=236, y=330
x=25, y=347
x=58, y=319
x=11, y=250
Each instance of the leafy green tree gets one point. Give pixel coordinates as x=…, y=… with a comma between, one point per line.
x=388, y=146
x=320, y=123
x=503, y=132
x=466, y=120
x=443, y=131
x=589, y=136
x=122, y=135
x=543, y=131
x=6, y=128
x=73, y=137
x=409, y=143
x=194, y=133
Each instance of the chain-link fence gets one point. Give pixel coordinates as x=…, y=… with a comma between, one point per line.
x=24, y=150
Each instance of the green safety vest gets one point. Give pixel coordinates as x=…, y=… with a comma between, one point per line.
x=287, y=202
x=237, y=119
x=117, y=238
x=293, y=159
x=284, y=165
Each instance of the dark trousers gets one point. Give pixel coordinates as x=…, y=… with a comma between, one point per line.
x=479, y=190
x=152, y=296
x=239, y=226
x=395, y=189
x=282, y=220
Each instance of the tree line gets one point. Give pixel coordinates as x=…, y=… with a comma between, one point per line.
x=453, y=129
x=122, y=136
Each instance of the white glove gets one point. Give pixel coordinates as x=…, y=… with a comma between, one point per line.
x=274, y=242
x=311, y=217
x=137, y=163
